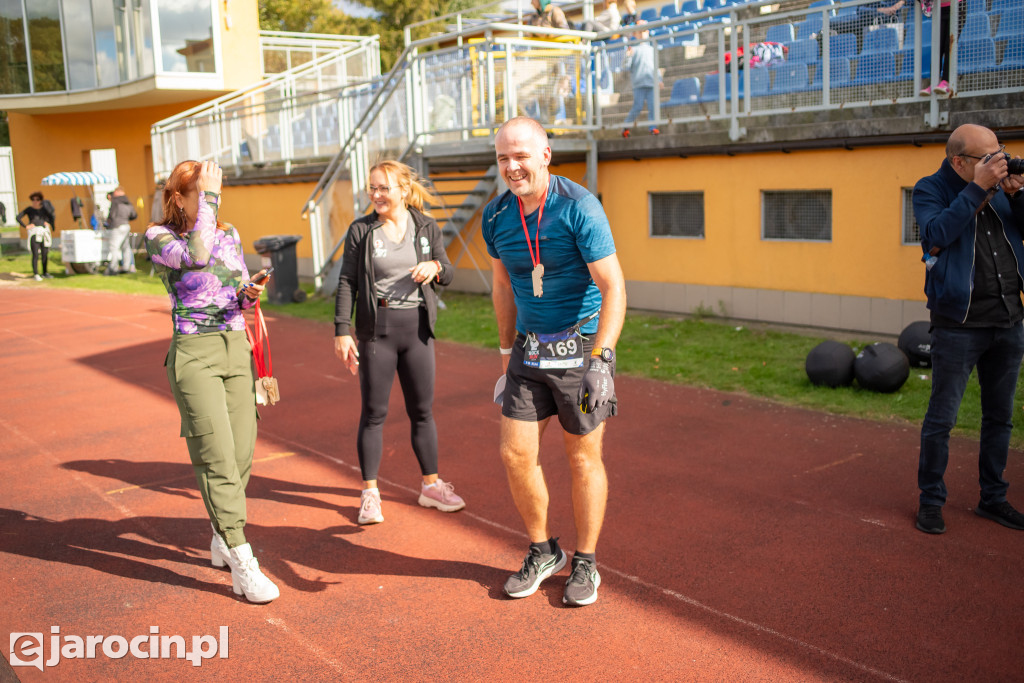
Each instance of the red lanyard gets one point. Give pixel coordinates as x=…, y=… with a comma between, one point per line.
x=534, y=258
x=256, y=341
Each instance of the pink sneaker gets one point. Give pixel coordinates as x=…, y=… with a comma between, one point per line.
x=441, y=496
x=926, y=91
x=369, y=507
x=942, y=88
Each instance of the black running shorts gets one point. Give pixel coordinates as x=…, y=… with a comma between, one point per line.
x=533, y=395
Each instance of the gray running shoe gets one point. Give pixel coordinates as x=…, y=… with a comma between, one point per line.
x=536, y=567
x=581, y=588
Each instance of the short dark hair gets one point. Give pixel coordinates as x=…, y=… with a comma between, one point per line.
x=36, y=195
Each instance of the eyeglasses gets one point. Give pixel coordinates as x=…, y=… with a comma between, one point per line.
x=971, y=156
x=383, y=189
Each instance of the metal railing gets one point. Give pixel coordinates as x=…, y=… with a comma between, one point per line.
x=295, y=114
x=728, y=63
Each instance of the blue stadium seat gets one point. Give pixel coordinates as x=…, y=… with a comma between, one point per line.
x=875, y=67
x=839, y=76
x=907, y=64
x=908, y=32
x=804, y=51
x=760, y=81
x=808, y=27
x=884, y=39
x=790, y=77
x=780, y=33
x=1011, y=23
x=976, y=26
x=843, y=45
x=710, y=93
x=1013, y=54
x=846, y=20
x=616, y=59
x=977, y=6
x=975, y=56
x=685, y=34
x=691, y=7
x=1001, y=5
x=684, y=91
x=668, y=11
x=649, y=14
x=821, y=3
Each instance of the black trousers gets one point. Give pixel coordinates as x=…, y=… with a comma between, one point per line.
x=403, y=345
x=38, y=250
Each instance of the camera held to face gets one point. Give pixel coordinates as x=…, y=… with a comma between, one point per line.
x=1013, y=166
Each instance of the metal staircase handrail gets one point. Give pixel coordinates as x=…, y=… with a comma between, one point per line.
x=389, y=85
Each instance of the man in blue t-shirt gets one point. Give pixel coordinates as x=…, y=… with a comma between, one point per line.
x=560, y=299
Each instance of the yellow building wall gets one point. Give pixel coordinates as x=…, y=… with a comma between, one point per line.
x=864, y=258
x=240, y=46
x=45, y=144
x=262, y=210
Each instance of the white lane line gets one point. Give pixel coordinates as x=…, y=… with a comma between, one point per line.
x=312, y=649
x=634, y=579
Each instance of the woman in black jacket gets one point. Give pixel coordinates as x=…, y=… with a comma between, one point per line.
x=394, y=258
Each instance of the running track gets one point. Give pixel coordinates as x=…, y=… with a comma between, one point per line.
x=744, y=541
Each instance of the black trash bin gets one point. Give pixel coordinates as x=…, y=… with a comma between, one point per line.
x=283, y=287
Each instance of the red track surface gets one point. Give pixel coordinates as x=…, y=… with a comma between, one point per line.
x=744, y=541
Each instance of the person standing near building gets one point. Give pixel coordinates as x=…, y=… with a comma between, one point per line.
x=560, y=301
x=122, y=256
x=40, y=224
x=971, y=214
x=394, y=258
x=644, y=78
x=209, y=362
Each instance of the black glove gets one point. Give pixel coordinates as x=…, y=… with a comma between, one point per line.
x=598, y=385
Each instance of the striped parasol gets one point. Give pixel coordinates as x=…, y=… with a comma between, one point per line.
x=79, y=178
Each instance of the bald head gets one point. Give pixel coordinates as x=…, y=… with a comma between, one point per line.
x=968, y=137
x=522, y=127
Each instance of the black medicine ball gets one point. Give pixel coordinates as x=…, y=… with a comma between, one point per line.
x=916, y=342
x=881, y=367
x=830, y=364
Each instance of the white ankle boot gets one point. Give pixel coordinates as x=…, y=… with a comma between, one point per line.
x=247, y=578
x=218, y=551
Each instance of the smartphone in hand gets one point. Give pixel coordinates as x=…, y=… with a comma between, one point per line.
x=262, y=277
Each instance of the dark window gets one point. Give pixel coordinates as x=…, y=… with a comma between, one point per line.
x=677, y=214
x=46, y=46
x=797, y=215
x=911, y=230
x=13, y=58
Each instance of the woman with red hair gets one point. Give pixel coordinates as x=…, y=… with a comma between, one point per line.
x=209, y=363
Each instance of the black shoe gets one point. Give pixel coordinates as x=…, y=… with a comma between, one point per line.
x=536, y=567
x=929, y=519
x=1002, y=513
x=581, y=588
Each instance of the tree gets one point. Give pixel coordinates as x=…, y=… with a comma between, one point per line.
x=321, y=16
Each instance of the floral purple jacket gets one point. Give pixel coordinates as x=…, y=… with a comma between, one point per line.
x=202, y=271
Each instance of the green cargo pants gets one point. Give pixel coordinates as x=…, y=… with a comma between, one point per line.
x=212, y=381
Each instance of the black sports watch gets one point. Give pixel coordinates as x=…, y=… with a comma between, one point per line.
x=606, y=354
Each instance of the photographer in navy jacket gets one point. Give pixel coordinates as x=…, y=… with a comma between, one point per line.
x=971, y=213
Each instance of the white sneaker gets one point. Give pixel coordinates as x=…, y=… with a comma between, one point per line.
x=37, y=278
x=369, y=507
x=246, y=577
x=219, y=551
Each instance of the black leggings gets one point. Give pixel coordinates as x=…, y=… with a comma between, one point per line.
x=404, y=344
x=36, y=243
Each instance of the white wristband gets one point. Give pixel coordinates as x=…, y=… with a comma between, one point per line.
x=504, y=351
